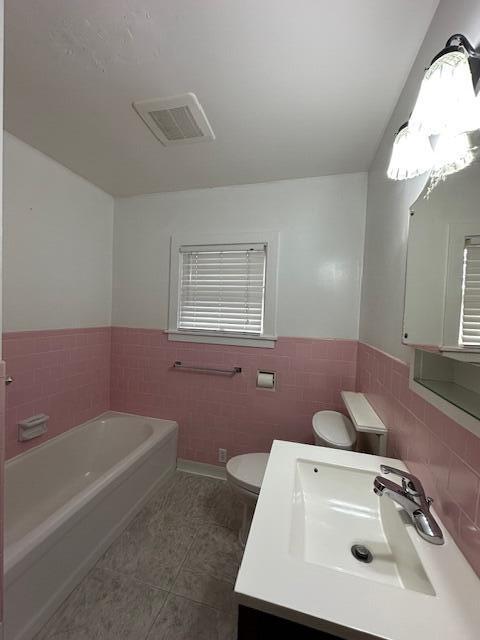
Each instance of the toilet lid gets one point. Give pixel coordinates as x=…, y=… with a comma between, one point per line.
x=248, y=470
x=334, y=428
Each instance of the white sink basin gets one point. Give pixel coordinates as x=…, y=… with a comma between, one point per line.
x=315, y=503
x=335, y=508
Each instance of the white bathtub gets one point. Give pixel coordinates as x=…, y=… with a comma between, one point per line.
x=67, y=499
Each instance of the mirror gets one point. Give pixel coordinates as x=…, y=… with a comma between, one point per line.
x=442, y=296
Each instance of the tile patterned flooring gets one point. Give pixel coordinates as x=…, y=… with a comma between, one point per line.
x=168, y=576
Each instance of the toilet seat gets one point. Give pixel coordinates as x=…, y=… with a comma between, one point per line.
x=335, y=429
x=247, y=471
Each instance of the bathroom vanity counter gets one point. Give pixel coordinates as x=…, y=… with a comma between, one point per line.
x=314, y=505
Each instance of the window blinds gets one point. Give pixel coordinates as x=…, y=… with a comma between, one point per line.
x=470, y=321
x=222, y=289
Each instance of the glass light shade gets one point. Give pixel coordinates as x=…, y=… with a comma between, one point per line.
x=412, y=155
x=446, y=103
x=452, y=154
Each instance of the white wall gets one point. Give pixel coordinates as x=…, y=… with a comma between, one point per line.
x=321, y=223
x=388, y=202
x=58, y=238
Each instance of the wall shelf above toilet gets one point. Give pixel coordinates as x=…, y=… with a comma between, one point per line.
x=364, y=418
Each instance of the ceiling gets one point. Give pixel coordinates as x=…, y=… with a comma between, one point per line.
x=292, y=88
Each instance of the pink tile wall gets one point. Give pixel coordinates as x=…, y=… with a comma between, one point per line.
x=444, y=455
x=75, y=374
x=214, y=411
x=63, y=373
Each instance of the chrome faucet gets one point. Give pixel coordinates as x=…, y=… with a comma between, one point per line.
x=411, y=496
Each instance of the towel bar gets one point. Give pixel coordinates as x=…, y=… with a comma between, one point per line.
x=228, y=372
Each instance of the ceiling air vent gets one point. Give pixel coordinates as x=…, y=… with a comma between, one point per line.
x=175, y=120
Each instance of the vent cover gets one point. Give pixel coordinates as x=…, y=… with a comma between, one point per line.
x=175, y=120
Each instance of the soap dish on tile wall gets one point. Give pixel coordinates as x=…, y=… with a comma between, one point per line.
x=32, y=427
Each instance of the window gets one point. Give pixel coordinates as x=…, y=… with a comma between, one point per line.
x=222, y=289
x=470, y=316
x=223, y=292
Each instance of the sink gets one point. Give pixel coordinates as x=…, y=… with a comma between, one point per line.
x=315, y=504
x=334, y=508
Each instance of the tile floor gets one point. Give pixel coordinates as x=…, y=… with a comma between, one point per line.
x=169, y=576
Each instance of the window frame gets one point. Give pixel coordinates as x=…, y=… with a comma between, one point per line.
x=269, y=335
x=476, y=244
x=457, y=233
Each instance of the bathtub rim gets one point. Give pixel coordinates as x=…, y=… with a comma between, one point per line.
x=77, y=427
x=20, y=554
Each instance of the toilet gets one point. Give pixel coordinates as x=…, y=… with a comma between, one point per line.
x=245, y=475
x=245, y=472
x=333, y=429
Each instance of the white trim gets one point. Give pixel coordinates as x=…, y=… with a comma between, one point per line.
x=201, y=469
x=267, y=342
x=271, y=240
x=235, y=246
x=457, y=234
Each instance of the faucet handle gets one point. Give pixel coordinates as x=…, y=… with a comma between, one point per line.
x=410, y=483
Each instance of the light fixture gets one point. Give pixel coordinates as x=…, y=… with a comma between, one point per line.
x=446, y=103
x=452, y=154
x=412, y=154
x=447, y=107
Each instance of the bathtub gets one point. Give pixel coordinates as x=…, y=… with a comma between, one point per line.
x=67, y=499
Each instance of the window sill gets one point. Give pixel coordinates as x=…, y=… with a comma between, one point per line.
x=265, y=342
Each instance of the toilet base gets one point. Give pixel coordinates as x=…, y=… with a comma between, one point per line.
x=247, y=517
x=248, y=500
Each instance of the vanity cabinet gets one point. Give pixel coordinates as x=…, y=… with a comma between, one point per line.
x=257, y=625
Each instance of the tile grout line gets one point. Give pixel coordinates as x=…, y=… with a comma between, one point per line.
x=182, y=564
x=112, y=572
x=202, y=521
x=169, y=591
x=183, y=597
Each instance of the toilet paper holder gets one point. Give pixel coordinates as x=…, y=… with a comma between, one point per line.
x=266, y=380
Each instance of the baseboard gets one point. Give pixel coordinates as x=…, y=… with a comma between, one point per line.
x=201, y=469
